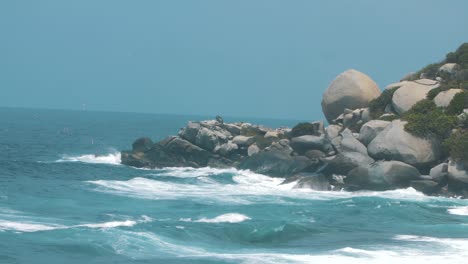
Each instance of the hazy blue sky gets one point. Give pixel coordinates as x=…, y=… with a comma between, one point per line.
x=240, y=58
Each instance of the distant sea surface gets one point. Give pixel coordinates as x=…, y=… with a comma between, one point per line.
x=65, y=198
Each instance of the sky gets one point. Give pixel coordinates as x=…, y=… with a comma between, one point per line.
x=246, y=58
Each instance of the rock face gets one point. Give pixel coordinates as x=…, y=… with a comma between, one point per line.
x=383, y=175
x=394, y=143
x=371, y=129
x=444, y=98
x=351, y=89
x=410, y=93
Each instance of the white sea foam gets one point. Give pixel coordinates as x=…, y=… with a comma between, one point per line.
x=26, y=225
x=145, y=244
x=111, y=158
x=462, y=210
x=225, y=218
x=248, y=187
x=188, y=172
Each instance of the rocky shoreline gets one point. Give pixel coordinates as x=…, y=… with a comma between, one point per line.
x=361, y=149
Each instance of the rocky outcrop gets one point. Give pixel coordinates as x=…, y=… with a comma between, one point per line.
x=394, y=143
x=411, y=92
x=351, y=89
x=353, y=153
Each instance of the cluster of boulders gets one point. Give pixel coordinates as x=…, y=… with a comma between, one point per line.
x=353, y=152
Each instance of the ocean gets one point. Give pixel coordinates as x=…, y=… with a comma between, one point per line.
x=65, y=198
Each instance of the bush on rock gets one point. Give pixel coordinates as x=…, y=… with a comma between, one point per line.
x=427, y=120
x=457, y=144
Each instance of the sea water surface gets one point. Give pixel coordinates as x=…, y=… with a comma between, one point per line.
x=64, y=198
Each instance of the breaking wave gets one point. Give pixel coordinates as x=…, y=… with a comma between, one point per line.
x=111, y=158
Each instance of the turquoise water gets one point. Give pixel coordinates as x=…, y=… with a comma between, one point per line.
x=64, y=198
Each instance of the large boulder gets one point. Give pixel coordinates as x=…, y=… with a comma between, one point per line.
x=444, y=98
x=275, y=163
x=190, y=131
x=382, y=175
x=439, y=172
x=371, y=129
x=307, y=142
x=394, y=143
x=207, y=139
x=457, y=172
x=243, y=141
x=344, y=162
x=351, y=89
x=458, y=178
x=226, y=149
x=349, y=143
x=410, y=93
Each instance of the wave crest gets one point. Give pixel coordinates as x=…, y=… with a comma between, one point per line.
x=111, y=158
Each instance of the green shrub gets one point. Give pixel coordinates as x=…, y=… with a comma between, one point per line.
x=302, y=129
x=427, y=120
x=451, y=57
x=457, y=145
x=430, y=71
x=377, y=106
x=458, y=103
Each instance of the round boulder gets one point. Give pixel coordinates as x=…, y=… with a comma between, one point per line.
x=351, y=89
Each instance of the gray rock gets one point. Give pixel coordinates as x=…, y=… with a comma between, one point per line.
x=344, y=162
x=233, y=129
x=206, y=139
x=250, y=130
x=142, y=144
x=351, y=89
x=243, y=141
x=394, y=143
x=314, y=154
x=365, y=115
x=439, y=172
x=312, y=181
x=333, y=131
x=410, y=93
x=426, y=186
x=350, y=144
x=190, y=131
x=226, y=149
x=457, y=172
x=272, y=135
x=252, y=150
x=383, y=175
x=275, y=163
x=303, y=143
x=371, y=129
x=281, y=146
x=444, y=98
